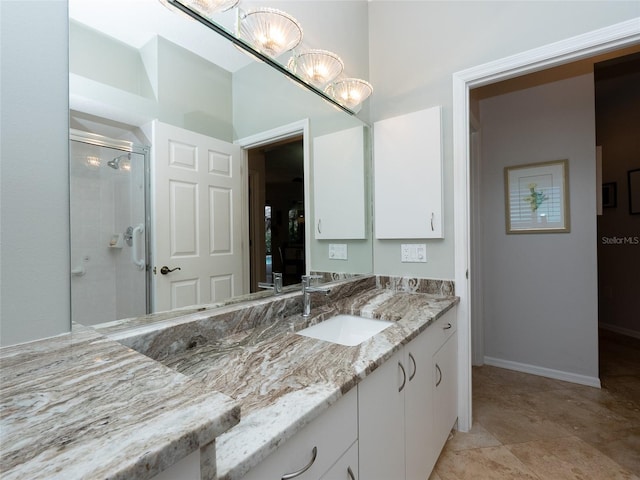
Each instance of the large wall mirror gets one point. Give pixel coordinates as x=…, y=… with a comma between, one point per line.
x=196, y=171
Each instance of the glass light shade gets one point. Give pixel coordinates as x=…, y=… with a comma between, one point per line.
x=317, y=67
x=349, y=92
x=209, y=7
x=270, y=31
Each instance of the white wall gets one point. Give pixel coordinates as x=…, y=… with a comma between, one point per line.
x=416, y=46
x=540, y=290
x=35, y=173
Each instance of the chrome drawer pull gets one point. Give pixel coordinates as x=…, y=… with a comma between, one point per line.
x=350, y=473
x=314, y=454
x=404, y=377
x=439, y=381
x=447, y=327
x=415, y=367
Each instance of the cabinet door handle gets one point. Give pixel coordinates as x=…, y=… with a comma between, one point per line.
x=432, y=227
x=439, y=381
x=319, y=225
x=415, y=366
x=350, y=473
x=314, y=454
x=447, y=327
x=404, y=377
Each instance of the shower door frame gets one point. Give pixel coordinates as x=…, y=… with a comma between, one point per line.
x=145, y=151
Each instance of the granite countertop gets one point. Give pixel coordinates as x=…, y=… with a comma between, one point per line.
x=85, y=405
x=82, y=406
x=283, y=380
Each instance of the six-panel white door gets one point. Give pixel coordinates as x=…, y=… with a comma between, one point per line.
x=197, y=208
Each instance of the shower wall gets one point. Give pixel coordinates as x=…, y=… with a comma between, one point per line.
x=106, y=284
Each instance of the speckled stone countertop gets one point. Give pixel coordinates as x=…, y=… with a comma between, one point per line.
x=282, y=380
x=80, y=406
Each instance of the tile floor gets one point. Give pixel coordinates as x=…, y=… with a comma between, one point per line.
x=530, y=427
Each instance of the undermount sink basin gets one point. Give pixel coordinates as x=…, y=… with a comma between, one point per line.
x=346, y=330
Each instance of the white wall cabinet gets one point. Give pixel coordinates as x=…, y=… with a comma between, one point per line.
x=339, y=185
x=402, y=427
x=332, y=434
x=407, y=156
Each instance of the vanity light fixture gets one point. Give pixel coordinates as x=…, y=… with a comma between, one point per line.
x=269, y=31
x=207, y=7
x=316, y=67
x=349, y=92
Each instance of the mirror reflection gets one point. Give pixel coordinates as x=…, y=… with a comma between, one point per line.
x=195, y=172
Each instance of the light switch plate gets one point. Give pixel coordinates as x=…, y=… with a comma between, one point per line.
x=338, y=251
x=413, y=253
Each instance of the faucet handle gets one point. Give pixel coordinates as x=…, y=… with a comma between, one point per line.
x=306, y=279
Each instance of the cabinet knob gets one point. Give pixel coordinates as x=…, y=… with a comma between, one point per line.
x=314, y=454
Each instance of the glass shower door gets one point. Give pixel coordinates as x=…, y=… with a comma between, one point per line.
x=109, y=230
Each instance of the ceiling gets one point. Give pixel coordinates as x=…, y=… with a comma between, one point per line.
x=135, y=22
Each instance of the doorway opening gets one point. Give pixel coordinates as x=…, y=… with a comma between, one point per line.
x=588, y=45
x=277, y=211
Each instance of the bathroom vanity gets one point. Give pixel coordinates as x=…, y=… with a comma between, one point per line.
x=145, y=394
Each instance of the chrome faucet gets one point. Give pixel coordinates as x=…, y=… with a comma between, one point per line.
x=307, y=290
x=276, y=286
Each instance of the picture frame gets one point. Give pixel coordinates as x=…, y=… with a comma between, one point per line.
x=537, y=198
x=633, y=177
x=609, y=195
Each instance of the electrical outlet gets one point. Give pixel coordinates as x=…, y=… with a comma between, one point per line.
x=338, y=251
x=413, y=253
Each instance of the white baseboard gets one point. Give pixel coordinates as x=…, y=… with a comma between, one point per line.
x=543, y=372
x=622, y=331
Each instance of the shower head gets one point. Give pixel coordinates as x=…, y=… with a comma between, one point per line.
x=115, y=163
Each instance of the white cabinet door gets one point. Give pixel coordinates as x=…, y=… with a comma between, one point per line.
x=381, y=422
x=408, y=175
x=338, y=182
x=420, y=455
x=346, y=468
x=445, y=390
x=329, y=436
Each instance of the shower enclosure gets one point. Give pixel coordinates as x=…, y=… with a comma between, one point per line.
x=110, y=224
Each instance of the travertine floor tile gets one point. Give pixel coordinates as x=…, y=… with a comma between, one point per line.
x=622, y=446
x=568, y=458
x=490, y=463
x=584, y=410
x=510, y=420
x=477, y=437
x=529, y=427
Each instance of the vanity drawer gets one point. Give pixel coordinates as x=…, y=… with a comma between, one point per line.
x=331, y=435
x=440, y=330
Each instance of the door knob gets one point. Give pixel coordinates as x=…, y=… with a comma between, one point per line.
x=164, y=270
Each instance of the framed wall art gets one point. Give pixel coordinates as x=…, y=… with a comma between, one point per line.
x=537, y=197
x=634, y=191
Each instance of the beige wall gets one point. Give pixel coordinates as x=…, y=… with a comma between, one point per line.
x=416, y=46
x=618, y=121
x=539, y=290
